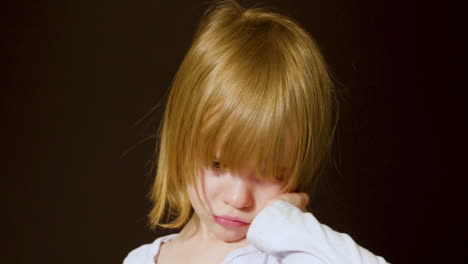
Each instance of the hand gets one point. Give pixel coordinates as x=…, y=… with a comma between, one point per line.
x=300, y=200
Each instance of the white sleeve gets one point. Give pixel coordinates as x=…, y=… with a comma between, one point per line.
x=141, y=255
x=284, y=230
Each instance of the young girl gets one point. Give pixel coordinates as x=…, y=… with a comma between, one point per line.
x=248, y=124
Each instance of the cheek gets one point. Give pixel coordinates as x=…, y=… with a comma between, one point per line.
x=209, y=187
x=266, y=194
x=192, y=194
x=211, y=184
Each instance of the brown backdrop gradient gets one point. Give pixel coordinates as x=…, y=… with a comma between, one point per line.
x=78, y=75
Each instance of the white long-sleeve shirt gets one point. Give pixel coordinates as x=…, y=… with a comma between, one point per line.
x=281, y=233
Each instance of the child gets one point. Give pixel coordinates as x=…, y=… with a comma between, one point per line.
x=248, y=124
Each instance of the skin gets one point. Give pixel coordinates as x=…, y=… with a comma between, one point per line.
x=221, y=193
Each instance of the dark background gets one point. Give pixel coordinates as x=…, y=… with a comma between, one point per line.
x=79, y=75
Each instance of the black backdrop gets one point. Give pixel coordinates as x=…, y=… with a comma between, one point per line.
x=79, y=75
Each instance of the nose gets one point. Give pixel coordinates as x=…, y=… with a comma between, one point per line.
x=238, y=193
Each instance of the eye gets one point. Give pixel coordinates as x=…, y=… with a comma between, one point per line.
x=216, y=165
x=280, y=177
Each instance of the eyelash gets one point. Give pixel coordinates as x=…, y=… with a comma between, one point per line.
x=216, y=165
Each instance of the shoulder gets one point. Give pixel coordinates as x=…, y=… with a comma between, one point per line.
x=139, y=255
x=145, y=254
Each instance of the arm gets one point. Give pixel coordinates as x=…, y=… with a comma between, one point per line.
x=284, y=230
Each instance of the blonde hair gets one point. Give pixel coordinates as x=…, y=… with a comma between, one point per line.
x=253, y=86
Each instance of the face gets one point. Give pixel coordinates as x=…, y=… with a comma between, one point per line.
x=229, y=202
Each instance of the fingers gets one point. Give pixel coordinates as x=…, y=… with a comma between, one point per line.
x=303, y=201
x=300, y=200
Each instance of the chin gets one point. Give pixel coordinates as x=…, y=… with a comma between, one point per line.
x=233, y=239
x=231, y=236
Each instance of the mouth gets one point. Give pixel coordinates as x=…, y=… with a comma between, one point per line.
x=229, y=221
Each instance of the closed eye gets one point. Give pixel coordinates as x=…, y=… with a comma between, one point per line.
x=216, y=165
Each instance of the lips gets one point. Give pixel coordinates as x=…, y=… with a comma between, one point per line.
x=229, y=221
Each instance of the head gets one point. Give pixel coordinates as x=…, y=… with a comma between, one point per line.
x=249, y=115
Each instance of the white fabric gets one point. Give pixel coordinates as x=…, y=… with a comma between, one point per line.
x=281, y=233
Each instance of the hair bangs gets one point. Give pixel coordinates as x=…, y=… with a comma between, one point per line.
x=249, y=122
